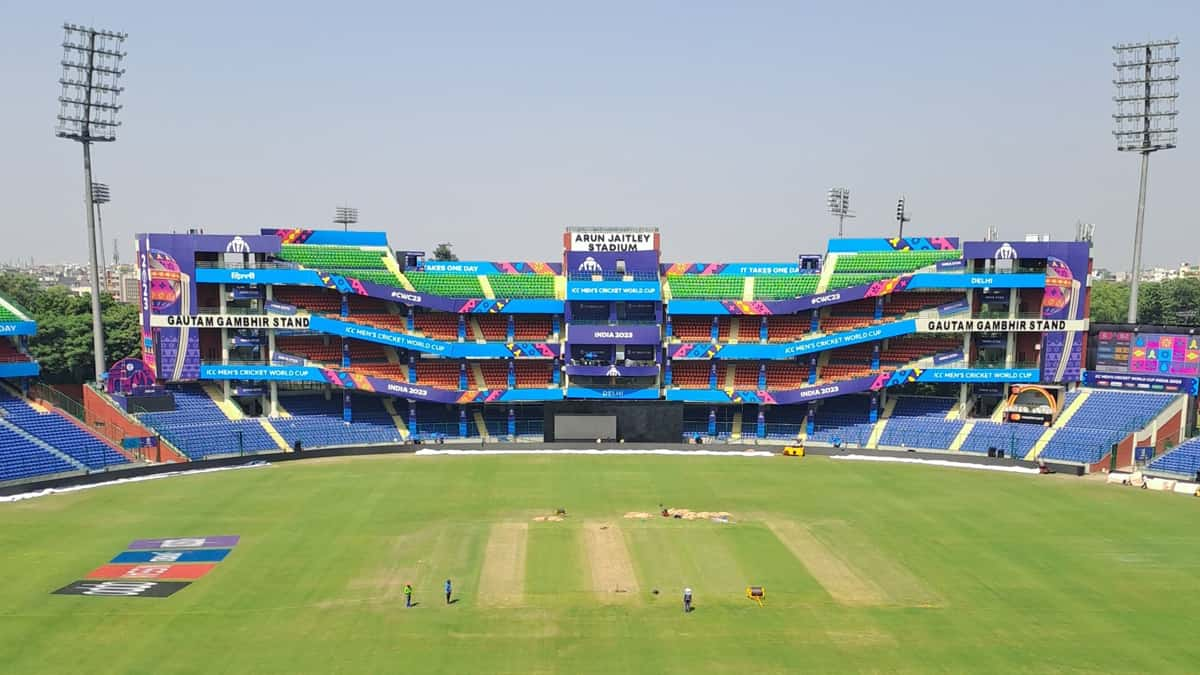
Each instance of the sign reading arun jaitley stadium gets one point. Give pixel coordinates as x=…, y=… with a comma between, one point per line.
x=964, y=325
x=254, y=321
x=612, y=242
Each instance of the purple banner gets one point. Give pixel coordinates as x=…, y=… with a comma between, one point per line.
x=953, y=308
x=1062, y=356
x=951, y=265
x=280, y=308
x=1166, y=383
x=939, y=359
x=244, y=293
x=219, y=541
x=404, y=389
x=604, y=334
x=287, y=359
x=613, y=371
x=855, y=386
x=588, y=263
x=807, y=302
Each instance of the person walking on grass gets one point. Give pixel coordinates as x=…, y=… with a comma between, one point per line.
x=687, y=600
x=447, y=591
x=407, y=595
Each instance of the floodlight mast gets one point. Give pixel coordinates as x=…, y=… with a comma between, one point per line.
x=838, y=200
x=345, y=216
x=902, y=216
x=101, y=196
x=91, y=71
x=1144, y=122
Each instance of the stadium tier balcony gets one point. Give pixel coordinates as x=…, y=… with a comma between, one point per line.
x=1104, y=418
x=366, y=352
x=780, y=288
x=1016, y=440
x=389, y=322
x=706, y=286
x=837, y=324
x=437, y=325
x=724, y=329
x=533, y=374
x=58, y=432
x=314, y=348
x=535, y=328
x=21, y=458
x=847, y=418
x=891, y=262
x=839, y=280
x=692, y=328
x=786, y=375
x=494, y=327
x=199, y=428
x=522, y=285
x=317, y=422
x=446, y=285
x=787, y=328
x=899, y=304
x=690, y=374
x=10, y=354
x=439, y=373
x=495, y=374
x=388, y=371
x=840, y=371
x=1184, y=459
x=316, y=300
x=784, y=422
x=328, y=258
x=744, y=377
x=904, y=350
x=920, y=422
x=363, y=304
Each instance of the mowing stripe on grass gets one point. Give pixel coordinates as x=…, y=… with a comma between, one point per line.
x=608, y=556
x=899, y=584
x=502, y=580
x=843, y=583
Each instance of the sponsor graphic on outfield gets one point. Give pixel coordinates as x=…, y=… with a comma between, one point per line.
x=153, y=568
x=123, y=589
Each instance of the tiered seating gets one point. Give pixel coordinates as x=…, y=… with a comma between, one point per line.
x=366, y=352
x=20, y=458
x=533, y=374
x=439, y=373
x=787, y=328
x=784, y=422
x=1105, y=418
x=446, y=285
x=839, y=280
x=842, y=371
x=201, y=430
x=318, y=300
x=786, y=375
x=522, y=285
x=695, y=421
x=439, y=420
x=1016, y=440
x=920, y=422
x=692, y=328
x=837, y=324
x=326, y=258
x=690, y=374
x=895, y=262
x=57, y=431
x=318, y=423
x=389, y=322
x=706, y=286
x=904, y=303
x=846, y=417
x=389, y=371
x=1183, y=460
x=314, y=348
x=535, y=328
x=494, y=327
x=495, y=374
x=744, y=377
x=724, y=326
x=907, y=349
x=437, y=325
x=365, y=305
x=6, y=315
x=10, y=354
x=382, y=277
x=778, y=288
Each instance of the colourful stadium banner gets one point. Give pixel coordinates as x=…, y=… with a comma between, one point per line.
x=622, y=394
x=18, y=328
x=792, y=349
x=327, y=237
x=613, y=290
x=613, y=371
x=605, y=334
x=236, y=321
x=495, y=350
x=612, y=241
x=1142, y=382
x=209, y=275
x=967, y=325
x=264, y=373
x=20, y=369
x=893, y=244
x=765, y=269
x=933, y=280
x=978, y=375
x=485, y=267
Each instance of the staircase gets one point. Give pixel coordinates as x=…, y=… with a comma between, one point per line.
x=477, y=374
x=961, y=438
x=954, y=412
x=389, y=404
x=476, y=331
x=1041, y=444
x=560, y=287
x=274, y=434
x=735, y=325
x=827, y=268
x=876, y=433
x=998, y=413
x=487, y=287
x=748, y=289
x=389, y=261
x=231, y=409
x=1061, y=422
x=730, y=376
x=5, y=424
x=481, y=425
x=735, y=434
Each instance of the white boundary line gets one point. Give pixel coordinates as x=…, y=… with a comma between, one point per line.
x=595, y=451
x=136, y=479
x=937, y=462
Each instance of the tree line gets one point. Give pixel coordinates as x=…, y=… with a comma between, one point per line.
x=1175, y=302
x=63, y=344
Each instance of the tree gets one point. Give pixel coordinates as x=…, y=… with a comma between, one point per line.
x=445, y=252
x=1174, y=302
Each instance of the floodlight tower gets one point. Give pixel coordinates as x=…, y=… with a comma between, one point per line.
x=839, y=205
x=902, y=216
x=1144, y=122
x=101, y=195
x=345, y=216
x=87, y=113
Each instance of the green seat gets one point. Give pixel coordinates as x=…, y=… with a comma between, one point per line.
x=333, y=257
x=446, y=285
x=778, y=288
x=522, y=285
x=6, y=315
x=893, y=262
x=706, y=286
x=383, y=277
x=837, y=281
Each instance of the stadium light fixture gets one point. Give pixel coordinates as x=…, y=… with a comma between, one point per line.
x=345, y=216
x=838, y=200
x=902, y=216
x=1147, y=91
x=87, y=113
x=100, y=195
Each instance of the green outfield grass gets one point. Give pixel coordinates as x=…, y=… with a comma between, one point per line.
x=868, y=567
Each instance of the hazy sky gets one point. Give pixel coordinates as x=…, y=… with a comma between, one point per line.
x=495, y=125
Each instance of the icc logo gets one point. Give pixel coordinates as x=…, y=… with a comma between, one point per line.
x=1006, y=252
x=589, y=264
x=237, y=245
x=613, y=372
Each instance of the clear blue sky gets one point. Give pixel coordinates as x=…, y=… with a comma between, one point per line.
x=494, y=125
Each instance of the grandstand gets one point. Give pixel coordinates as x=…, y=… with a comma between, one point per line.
x=1183, y=460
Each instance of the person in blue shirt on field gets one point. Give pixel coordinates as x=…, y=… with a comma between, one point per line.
x=447, y=591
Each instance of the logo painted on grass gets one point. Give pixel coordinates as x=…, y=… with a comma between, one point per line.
x=151, y=571
x=208, y=555
x=220, y=541
x=123, y=589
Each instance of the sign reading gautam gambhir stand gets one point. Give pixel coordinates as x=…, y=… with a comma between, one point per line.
x=254, y=321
